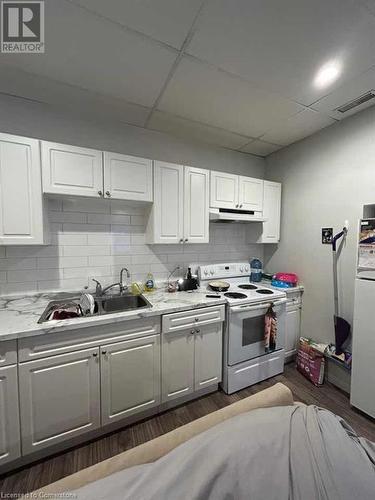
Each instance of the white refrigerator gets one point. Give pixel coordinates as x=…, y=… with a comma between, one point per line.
x=362, y=394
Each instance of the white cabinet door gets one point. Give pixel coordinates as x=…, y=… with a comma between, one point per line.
x=224, y=190
x=208, y=355
x=177, y=364
x=72, y=170
x=59, y=398
x=250, y=194
x=21, y=203
x=130, y=377
x=10, y=447
x=196, y=205
x=292, y=330
x=127, y=177
x=166, y=220
x=271, y=211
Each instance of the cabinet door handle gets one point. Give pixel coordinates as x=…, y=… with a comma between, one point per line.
x=100, y=193
x=104, y=353
x=181, y=240
x=241, y=205
x=197, y=330
x=192, y=332
x=237, y=205
x=108, y=194
x=186, y=239
x=94, y=354
x=196, y=319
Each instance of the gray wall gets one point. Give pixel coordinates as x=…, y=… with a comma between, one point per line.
x=22, y=117
x=326, y=178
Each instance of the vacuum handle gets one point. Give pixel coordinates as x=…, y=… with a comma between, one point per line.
x=336, y=238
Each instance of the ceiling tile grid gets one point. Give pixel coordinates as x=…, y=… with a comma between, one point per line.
x=236, y=74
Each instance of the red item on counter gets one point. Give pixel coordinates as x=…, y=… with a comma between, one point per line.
x=288, y=277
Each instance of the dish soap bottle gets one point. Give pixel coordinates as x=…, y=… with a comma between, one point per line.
x=150, y=283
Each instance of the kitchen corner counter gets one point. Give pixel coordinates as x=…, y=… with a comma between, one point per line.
x=19, y=315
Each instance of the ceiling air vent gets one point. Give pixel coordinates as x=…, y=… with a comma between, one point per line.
x=357, y=102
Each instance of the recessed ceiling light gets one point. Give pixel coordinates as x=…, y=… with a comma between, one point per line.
x=327, y=74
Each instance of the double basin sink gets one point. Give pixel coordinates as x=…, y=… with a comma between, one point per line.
x=103, y=305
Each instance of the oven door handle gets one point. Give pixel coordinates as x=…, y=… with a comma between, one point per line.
x=257, y=306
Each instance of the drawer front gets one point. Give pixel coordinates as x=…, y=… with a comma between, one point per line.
x=47, y=345
x=187, y=319
x=8, y=352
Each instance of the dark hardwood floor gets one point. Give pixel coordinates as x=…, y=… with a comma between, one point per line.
x=56, y=467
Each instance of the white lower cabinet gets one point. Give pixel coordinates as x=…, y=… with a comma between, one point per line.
x=208, y=356
x=177, y=378
x=10, y=448
x=292, y=324
x=59, y=398
x=191, y=360
x=130, y=377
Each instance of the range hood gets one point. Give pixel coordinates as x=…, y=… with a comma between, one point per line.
x=232, y=215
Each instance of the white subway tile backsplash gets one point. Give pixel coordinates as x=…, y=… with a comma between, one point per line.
x=15, y=264
x=95, y=238
x=72, y=251
x=74, y=217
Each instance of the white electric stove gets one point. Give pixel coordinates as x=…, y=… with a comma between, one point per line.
x=246, y=361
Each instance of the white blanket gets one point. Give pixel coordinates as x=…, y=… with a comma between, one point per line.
x=290, y=452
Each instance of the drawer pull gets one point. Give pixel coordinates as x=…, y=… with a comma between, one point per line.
x=196, y=319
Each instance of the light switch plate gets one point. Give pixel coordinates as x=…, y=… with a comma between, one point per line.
x=327, y=235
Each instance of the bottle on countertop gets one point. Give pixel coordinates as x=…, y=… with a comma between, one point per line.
x=150, y=283
x=256, y=268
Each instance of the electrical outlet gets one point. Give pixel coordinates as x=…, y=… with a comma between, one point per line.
x=327, y=235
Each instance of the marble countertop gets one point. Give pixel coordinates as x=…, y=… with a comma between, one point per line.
x=19, y=315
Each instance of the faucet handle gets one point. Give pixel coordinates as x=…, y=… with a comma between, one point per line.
x=99, y=287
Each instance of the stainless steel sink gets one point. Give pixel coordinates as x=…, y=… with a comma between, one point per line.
x=103, y=305
x=121, y=303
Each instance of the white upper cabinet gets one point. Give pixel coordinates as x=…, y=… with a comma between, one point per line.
x=250, y=194
x=196, y=205
x=21, y=202
x=269, y=230
x=127, y=177
x=224, y=190
x=271, y=211
x=180, y=213
x=71, y=170
x=166, y=222
x=236, y=192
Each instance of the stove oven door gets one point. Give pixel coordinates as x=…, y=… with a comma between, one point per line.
x=246, y=330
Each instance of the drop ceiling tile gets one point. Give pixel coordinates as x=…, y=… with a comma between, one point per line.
x=166, y=20
x=187, y=129
x=297, y=127
x=370, y=4
x=18, y=83
x=203, y=93
x=260, y=148
x=95, y=54
x=347, y=92
x=281, y=45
